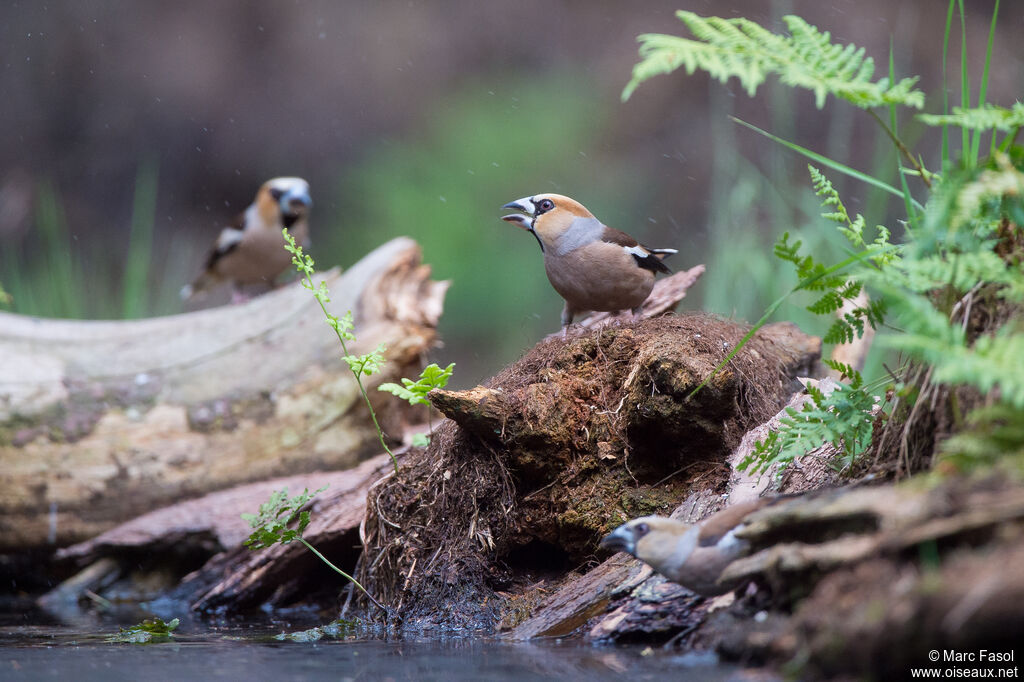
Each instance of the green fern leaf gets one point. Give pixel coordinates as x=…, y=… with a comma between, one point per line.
x=842, y=418
x=843, y=331
x=740, y=48
x=830, y=302
x=987, y=117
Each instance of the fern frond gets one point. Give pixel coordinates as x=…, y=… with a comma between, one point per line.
x=853, y=229
x=968, y=207
x=994, y=433
x=845, y=371
x=987, y=117
x=993, y=362
x=842, y=331
x=842, y=418
x=832, y=301
x=830, y=197
x=740, y=48
x=983, y=197
x=961, y=271
x=829, y=302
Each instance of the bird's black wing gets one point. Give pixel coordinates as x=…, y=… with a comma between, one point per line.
x=644, y=257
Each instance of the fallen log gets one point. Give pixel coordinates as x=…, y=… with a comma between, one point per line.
x=813, y=551
x=103, y=421
x=210, y=531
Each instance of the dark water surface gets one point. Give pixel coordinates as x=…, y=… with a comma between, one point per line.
x=36, y=646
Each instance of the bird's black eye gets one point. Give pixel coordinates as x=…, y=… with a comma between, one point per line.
x=276, y=193
x=641, y=529
x=544, y=205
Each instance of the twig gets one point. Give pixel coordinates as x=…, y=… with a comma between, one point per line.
x=408, y=576
x=903, y=149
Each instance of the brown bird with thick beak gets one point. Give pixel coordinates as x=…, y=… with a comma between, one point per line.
x=692, y=555
x=250, y=254
x=591, y=266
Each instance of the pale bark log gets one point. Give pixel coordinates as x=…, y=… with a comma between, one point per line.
x=101, y=421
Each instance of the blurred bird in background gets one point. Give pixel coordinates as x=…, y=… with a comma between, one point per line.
x=591, y=266
x=250, y=254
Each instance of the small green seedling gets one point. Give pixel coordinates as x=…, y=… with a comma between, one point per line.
x=146, y=632
x=361, y=365
x=416, y=392
x=272, y=526
x=275, y=515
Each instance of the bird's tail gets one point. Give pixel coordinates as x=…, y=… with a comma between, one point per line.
x=664, y=253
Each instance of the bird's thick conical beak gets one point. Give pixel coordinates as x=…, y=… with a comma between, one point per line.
x=295, y=200
x=526, y=206
x=620, y=540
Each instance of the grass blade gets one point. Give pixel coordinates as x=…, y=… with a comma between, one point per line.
x=893, y=120
x=825, y=161
x=976, y=141
x=855, y=258
x=945, y=85
x=965, y=89
x=134, y=287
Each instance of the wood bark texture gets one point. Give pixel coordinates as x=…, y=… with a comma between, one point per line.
x=101, y=421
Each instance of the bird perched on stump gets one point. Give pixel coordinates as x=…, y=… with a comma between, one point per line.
x=251, y=254
x=591, y=266
x=692, y=555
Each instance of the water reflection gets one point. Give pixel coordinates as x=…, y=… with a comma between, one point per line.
x=248, y=650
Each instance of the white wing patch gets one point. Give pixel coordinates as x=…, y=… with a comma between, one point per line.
x=228, y=238
x=729, y=540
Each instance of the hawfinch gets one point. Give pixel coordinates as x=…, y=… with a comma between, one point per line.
x=692, y=555
x=251, y=252
x=592, y=266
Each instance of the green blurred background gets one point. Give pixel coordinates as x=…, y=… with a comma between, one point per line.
x=131, y=133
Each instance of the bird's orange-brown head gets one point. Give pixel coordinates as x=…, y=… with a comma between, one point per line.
x=283, y=201
x=655, y=540
x=546, y=216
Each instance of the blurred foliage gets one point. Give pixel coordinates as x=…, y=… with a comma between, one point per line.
x=962, y=249
x=740, y=48
x=53, y=273
x=445, y=188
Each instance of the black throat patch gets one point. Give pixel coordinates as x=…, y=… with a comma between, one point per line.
x=534, y=233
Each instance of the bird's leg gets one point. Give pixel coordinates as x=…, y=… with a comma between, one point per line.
x=238, y=297
x=567, y=315
x=636, y=313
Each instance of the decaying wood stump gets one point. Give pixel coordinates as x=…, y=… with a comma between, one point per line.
x=103, y=421
x=558, y=449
